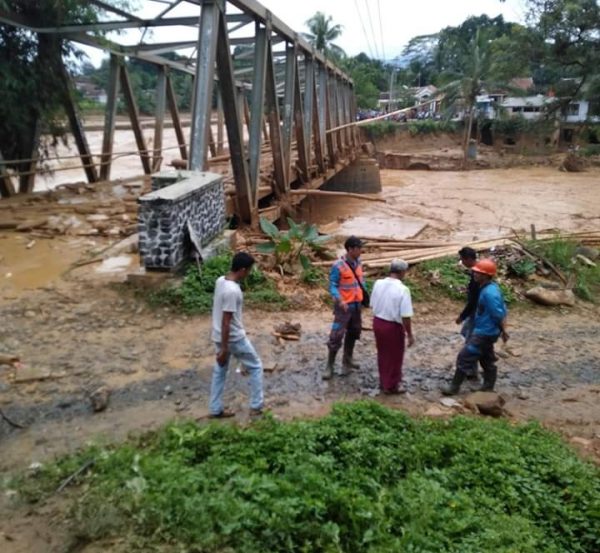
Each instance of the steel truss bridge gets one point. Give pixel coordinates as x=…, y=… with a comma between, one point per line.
x=286, y=109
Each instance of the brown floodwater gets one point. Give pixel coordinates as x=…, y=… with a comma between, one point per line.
x=469, y=205
x=27, y=263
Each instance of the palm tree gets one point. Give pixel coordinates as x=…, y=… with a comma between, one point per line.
x=474, y=80
x=323, y=33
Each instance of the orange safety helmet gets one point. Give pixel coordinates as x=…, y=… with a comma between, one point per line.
x=485, y=266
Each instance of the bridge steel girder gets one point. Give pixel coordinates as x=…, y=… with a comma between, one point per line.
x=110, y=116
x=295, y=91
x=208, y=36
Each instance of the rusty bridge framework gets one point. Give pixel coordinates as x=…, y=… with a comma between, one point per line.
x=287, y=110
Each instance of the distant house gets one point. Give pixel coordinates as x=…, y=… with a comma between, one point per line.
x=528, y=107
x=90, y=91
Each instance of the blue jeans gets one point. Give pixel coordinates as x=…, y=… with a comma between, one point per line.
x=245, y=352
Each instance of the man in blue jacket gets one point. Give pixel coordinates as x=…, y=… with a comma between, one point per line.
x=488, y=325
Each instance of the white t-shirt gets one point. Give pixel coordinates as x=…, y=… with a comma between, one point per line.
x=228, y=298
x=390, y=300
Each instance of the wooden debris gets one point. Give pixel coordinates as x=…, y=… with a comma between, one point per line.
x=292, y=337
x=366, y=197
x=7, y=359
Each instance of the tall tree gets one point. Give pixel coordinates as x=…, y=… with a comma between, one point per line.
x=322, y=33
x=32, y=70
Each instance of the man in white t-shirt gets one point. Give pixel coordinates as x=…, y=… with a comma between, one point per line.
x=392, y=311
x=229, y=337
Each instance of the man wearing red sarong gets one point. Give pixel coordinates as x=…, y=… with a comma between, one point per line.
x=392, y=311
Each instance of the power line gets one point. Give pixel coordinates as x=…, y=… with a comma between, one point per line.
x=363, y=29
x=372, y=29
x=381, y=31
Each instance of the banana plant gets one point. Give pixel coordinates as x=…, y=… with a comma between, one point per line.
x=291, y=247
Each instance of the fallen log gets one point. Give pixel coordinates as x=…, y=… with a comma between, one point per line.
x=338, y=194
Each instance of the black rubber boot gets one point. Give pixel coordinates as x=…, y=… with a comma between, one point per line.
x=328, y=372
x=454, y=387
x=489, y=379
x=347, y=361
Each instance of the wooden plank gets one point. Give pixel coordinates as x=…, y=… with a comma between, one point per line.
x=134, y=117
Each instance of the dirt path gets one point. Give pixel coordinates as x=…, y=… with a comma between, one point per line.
x=82, y=332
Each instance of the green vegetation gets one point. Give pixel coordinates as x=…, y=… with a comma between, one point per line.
x=365, y=478
x=445, y=275
x=590, y=150
x=291, y=248
x=562, y=253
x=195, y=293
x=379, y=129
x=429, y=126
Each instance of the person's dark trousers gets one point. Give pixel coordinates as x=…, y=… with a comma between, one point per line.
x=348, y=324
x=479, y=349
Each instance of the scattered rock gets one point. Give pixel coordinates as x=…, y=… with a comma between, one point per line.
x=545, y=296
x=591, y=253
x=437, y=411
x=572, y=164
x=581, y=441
x=450, y=402
x=26, y=373
x=419, y=166
x=486, y=403
x=99, y=398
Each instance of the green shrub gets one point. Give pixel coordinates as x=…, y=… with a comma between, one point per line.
x=430, y=126
x=562, y=253
x=446, y=275
x=195, y=293
x=590, y=150
x=365, y=478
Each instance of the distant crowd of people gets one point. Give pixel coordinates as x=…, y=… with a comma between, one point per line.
x=409, y=115
x=483, y=322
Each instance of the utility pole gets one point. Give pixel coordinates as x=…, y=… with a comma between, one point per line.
x=390, y=109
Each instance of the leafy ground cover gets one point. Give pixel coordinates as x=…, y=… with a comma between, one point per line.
x=563, y=254
x=365, y=478
x=194, y=294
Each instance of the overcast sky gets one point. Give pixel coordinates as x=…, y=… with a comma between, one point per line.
x=400, y=20
x=380, y=28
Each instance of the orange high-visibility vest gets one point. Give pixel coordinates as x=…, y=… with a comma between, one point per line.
x=350, y=290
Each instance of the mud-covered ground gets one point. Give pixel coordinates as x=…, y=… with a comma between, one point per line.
x=82, y=331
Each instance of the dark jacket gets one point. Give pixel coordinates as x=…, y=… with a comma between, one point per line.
x=472, y=299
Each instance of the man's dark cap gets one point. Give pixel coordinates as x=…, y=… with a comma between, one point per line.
x=353, y=242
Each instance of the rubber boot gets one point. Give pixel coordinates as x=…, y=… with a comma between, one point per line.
x=347, y=361
x=328, y=372
x=489, y=379
x=454, y=387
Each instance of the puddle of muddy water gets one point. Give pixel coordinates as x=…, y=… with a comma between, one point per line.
x=28, y=263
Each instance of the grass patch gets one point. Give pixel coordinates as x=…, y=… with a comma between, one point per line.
x=562, y=253
x=443, y=276
x=365, y=478
x=194, y=294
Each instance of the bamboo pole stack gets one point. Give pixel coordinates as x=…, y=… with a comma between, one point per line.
x=380, y=251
